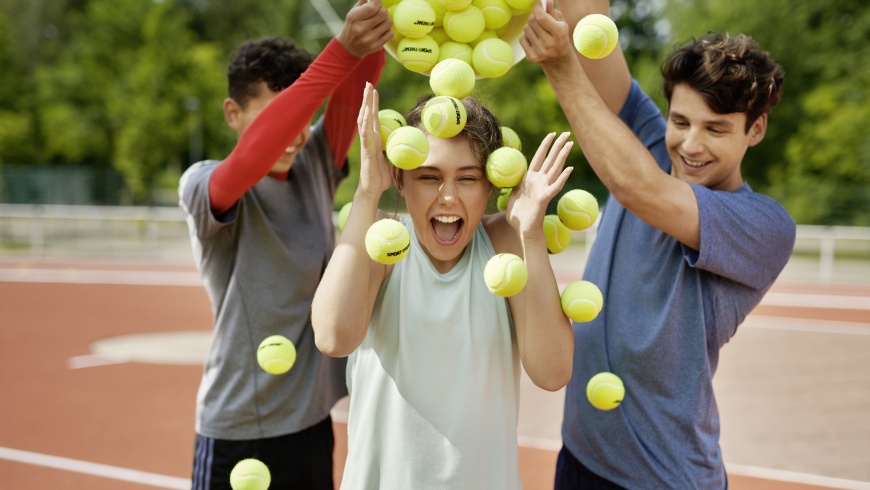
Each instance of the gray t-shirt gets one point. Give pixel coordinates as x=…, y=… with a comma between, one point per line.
x=261, y=263
x=667, y=311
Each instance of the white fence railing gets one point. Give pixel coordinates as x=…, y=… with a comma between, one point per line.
x=53, y=230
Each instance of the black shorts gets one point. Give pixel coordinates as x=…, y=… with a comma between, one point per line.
x=571, y=474
x=302, y=460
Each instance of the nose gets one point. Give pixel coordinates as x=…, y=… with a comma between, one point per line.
x=446, y=193
x=693, y=143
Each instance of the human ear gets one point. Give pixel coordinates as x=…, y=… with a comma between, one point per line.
x=232, y=113
x=758, y=130
x=397, y=179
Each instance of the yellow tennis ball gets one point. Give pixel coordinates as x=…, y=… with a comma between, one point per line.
x=387, y=241
x=492, y=57
x=453, y=49
x=439, y=13
x=388, y=4
x=250, y=474
x=483, y=35
x=455, y=4
x=452, y=77
x=343, y=213
x=419, y=54
x=496, y=13
x=502, y=201
x=414, y=18
x=521, y=5
x=506, y=167
x=407, y=148
x=605, y=391
x=558, y=236
x=510, y=138
x=444, y=116
x=577, y=209
x=276, y=354
x=439, y=35
x=505, y=274
x=464, y=25
x=582, y=301
x=595, y=36
x=389, y=121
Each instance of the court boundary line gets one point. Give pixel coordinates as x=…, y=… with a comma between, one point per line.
x=95, y=469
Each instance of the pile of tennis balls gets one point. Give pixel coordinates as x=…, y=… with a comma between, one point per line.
x=478, y=32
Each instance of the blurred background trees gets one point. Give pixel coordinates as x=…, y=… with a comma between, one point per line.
x=118, y=98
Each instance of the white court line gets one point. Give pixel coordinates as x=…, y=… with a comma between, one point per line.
x=94, y=360
x=95, y=469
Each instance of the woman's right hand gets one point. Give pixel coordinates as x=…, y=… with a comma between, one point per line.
x=374, y=177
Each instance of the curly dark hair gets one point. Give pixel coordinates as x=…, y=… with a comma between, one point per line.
x=731, y=73
x=482, y=128
x=276, y=61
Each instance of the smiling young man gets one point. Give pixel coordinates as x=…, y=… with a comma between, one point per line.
x=261, y=230
x=684, y=251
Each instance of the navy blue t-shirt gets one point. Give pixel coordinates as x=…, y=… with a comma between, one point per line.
x=667, y=311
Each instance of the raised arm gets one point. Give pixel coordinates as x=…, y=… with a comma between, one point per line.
x=544, y=335
x=622, y=162
x=345, y=297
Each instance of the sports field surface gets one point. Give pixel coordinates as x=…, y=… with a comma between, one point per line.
x=101, y=360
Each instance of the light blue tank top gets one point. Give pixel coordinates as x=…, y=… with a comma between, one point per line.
x=435, y=383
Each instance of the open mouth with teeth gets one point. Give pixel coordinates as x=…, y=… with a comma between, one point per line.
x=446, y=229
x=694, y=163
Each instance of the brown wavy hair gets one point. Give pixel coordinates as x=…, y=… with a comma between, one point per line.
x=731, y=73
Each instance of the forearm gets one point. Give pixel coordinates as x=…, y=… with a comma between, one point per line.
x=624, y=165
x=544, y=334
x=345, y=298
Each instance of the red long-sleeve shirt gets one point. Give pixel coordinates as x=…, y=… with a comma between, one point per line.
x=335, y=74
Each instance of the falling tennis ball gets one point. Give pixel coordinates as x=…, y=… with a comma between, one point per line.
x=605, y=391
x=506, y=167
x=558, y=236
x=595, y=36
x=444, y=116
x=276, y=354
x=387, y=241
x=505, y=274
x=510, y=138
x=407, y=148
x=250, y=474
x=452, y=77
x=502, y=201
x=577, y=209
x=389, y=121
x=492, y=57
x=582, y=301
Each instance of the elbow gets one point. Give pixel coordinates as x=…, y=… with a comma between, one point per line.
x=330, y=345
x=556, y=381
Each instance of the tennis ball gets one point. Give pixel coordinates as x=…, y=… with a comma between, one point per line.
x=389, y=121
x=439, y=35
x=407, y=148
x=419, y=54
x=464, y=25
x=502, y=201
x=510, y=138
x=455, y=4
x=387, y=4
x=492, y=57
x=414, y=18
x=444, y=116
x=505, y=274
x=595, y=36
x=605, y=391
x=582, y=301
x=506, y=167
x=453, y=49
x=577, y=209
x=496, y=13
x=343, y=213
x=250, y=474
x=439, y=13
x=452, y=77
x=558, y=236
x=387, y=241
x=276, y=354
x=483, y=35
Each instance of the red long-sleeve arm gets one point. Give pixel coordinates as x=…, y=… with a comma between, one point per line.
x=277, y=125
x=343, y=106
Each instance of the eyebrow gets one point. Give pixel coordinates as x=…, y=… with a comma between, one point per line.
x=715, y=122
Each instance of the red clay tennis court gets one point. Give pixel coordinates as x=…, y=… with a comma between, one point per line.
x=81, y=408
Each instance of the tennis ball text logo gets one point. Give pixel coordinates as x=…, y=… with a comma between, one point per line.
x=399, y=252
x=416, y=49
x=456, y=111
x=424, y=23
